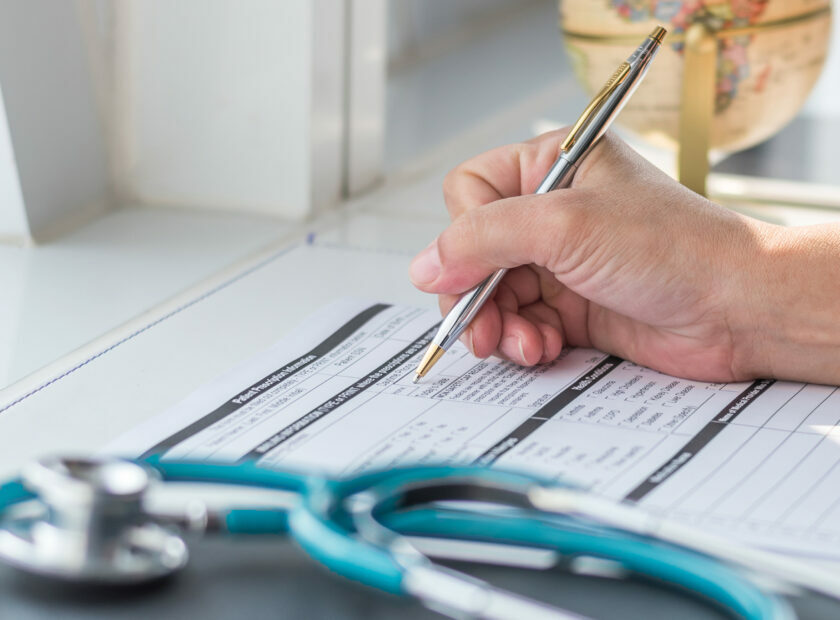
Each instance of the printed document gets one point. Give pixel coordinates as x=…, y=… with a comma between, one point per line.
x=757, y=461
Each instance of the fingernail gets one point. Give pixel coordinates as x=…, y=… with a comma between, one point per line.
x=467, y=339
x=425, y=267
x=512, y=348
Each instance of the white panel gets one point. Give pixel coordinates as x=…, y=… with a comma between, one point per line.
x=55, y=130
x=15, y=228
x=365, y=94
x=223, y=103
x=13, y=224
x=326, y=101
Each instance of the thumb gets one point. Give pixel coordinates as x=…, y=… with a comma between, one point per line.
x=506, y=233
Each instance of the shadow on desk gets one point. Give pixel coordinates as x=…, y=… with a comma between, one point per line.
x=259, y=578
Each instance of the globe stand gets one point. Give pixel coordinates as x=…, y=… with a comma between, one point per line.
x=697, y=107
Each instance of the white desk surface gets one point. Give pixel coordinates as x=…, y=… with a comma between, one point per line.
x=88, y=397
x=61, y=295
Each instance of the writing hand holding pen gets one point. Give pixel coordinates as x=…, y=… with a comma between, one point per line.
x=628, y=261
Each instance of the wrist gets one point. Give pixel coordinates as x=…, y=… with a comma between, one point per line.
x=749, y=274
x=788, y=326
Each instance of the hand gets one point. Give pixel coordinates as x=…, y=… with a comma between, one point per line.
x=626, y=260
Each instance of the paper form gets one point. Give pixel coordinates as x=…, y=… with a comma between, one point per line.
x=757, y=461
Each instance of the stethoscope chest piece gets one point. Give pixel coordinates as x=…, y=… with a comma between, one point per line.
x=88, y=524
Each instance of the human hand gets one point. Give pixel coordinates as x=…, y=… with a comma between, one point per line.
x=626, y=260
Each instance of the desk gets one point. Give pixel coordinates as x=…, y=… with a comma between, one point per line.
x=133, y=373
x=259, y=579
x=82, y=401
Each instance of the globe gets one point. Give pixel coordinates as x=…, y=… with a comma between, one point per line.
x=769, y=55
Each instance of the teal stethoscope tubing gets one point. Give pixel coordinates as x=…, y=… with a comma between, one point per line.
x=320, y=524
x=687, y=570
x=696, y=574
x=326, y=534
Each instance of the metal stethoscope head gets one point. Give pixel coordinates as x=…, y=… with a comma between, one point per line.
x=90, y=524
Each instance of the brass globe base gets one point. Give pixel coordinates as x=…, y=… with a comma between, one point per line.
x=697, y=107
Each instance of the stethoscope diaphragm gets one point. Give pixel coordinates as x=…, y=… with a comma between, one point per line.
x=88, y=524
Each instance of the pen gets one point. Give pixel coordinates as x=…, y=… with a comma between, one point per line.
x=585, y=133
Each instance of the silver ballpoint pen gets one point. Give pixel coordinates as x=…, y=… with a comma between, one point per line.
x=585, y=133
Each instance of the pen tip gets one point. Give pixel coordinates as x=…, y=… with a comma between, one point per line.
x=416, y=379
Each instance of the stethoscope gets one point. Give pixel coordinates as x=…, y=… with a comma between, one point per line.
x=90, y=521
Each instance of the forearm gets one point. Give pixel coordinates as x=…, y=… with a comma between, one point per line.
x=796, y=305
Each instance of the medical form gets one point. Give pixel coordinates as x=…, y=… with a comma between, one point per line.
x=756, y=461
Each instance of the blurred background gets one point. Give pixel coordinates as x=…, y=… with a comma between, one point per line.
x=147, y=146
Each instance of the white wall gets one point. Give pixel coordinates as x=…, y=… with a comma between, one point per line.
x=259, y=106
x=414, y=24
x=230, y=105
x=53, y=122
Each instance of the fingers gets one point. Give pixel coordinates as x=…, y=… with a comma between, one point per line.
x=518, y=169
x=548, y=321
x=512, y=336
x=515, y=324
x=524, y=284
x=513, y=233
x=503, y=172
x=521, y=341
x=564, y=302
x=552, y=343
x=496, y=226
x=484, y=332
x=505, y=234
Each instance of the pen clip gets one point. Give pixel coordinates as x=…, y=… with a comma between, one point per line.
x=615, y=80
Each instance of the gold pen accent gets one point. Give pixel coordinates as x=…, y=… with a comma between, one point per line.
x=615, y=80
x=618, y=76
x=433, y=354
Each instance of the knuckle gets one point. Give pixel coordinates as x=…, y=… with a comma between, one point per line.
x=452, y=181
x=452, y=186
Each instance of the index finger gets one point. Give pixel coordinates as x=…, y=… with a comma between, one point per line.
x=504, y=172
